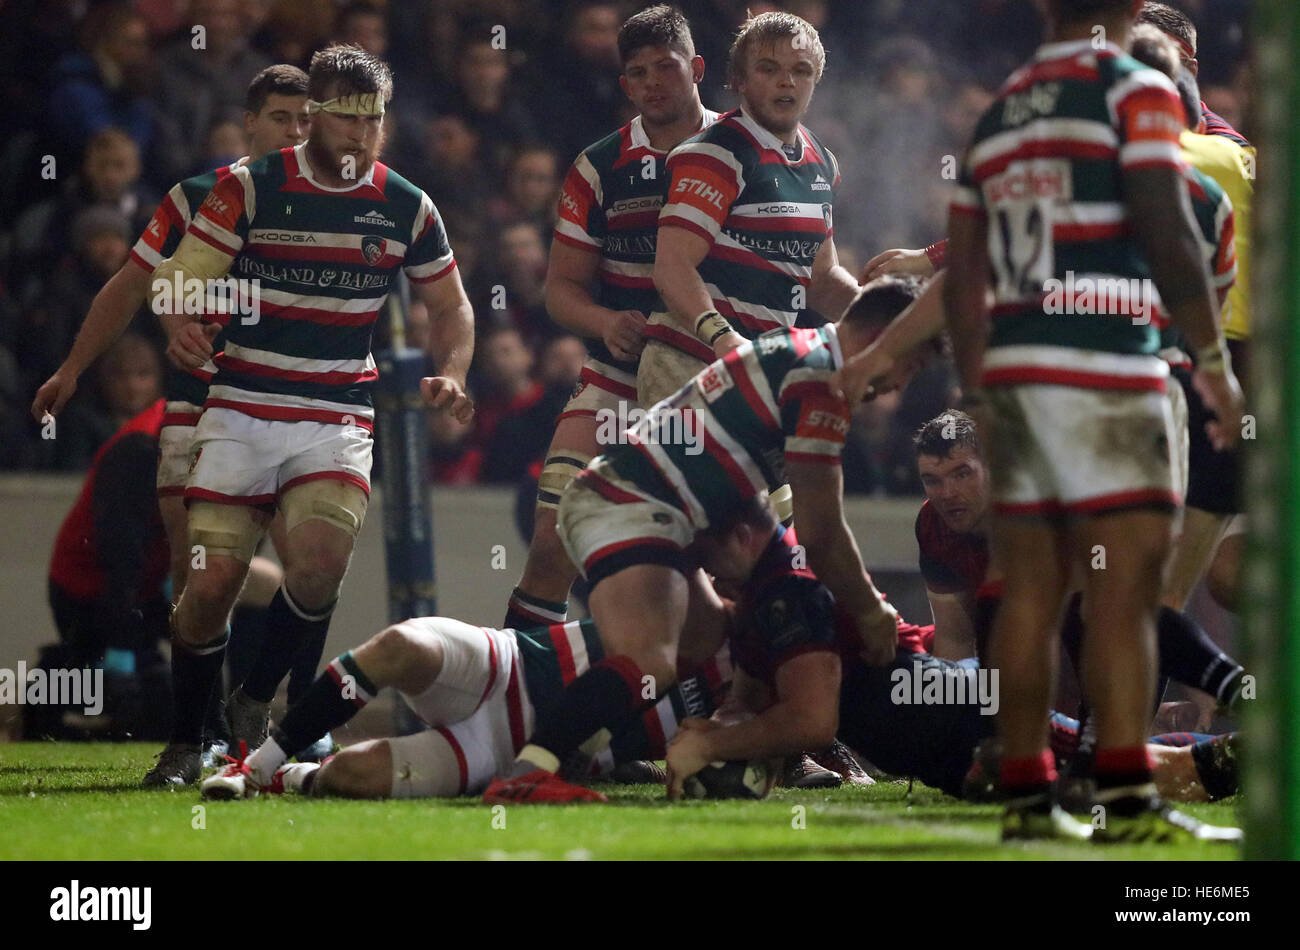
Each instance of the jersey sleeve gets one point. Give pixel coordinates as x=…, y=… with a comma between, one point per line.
x=164, y=231
x=428, y=256
x=1224, y=270
x=580, y=220
x=704, y=181
x=796, y=615
x=223, y=218
x=814, y=420
x=1149, y=117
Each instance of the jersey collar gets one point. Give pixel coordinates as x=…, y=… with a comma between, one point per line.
x=304, y=169
x=766, y=139
x=1070, y=48
x=833, y=343
x=637, y=136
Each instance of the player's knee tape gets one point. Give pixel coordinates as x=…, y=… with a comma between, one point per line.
x=225, y=530
x=557, y=473
x=335, y=502
x=783, y=503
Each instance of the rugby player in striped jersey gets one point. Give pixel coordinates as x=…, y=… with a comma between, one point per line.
x=600, y=283
x=746, y=239
x=1075, y=172
x=762, y=415
x=314, y=237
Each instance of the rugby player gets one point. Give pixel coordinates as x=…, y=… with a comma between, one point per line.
x=599, y=281
x=323, y=228
x=478, y=689
x=275, y=117
x=746, y=239
x=759, y=416
x=1080, y=427
x=799, y=677
x=1213, y=530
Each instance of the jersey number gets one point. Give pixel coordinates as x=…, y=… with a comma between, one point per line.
x=1024, y=259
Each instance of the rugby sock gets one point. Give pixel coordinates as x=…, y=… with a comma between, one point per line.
x=1188, y=655
x=646, y=736
x=298, y=777
x=1028, y=777
x=1123, y=777
x=289, y=629
x=195, y=674
x=335, y=697
x=585, y=714
x=525, y=611
x=1216, y=765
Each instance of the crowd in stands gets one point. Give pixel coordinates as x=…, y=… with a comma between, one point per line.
x=110, y=103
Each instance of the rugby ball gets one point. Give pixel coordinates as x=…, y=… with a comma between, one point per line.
x=751, y=779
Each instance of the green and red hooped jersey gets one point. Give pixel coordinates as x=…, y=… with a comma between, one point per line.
x=609, y=205
x=765, y=214
x=325, y=259
x=726, y=435
x=1045, y=172
x=158, y=242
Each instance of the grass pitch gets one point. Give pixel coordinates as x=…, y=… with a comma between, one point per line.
x=81, y=802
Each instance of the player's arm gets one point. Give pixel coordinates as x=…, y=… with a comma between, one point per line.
x=954, y=633
x=831, y=288
x=109, y=314
x=965, y=294
x=704, y=181
x=678, y=254
x=451, y=343
x=818, y=490
x=872, y=371
x=570, y=273
x=805, y=715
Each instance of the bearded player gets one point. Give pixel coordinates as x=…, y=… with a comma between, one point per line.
x=288, y=418
x=600, y=282
x=1079, y=425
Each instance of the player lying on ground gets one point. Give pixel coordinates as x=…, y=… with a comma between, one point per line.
x=800, y=677
x=478, y=689
x=760, y=416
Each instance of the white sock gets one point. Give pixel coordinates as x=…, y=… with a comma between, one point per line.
x=292, y=776
x=263, y=762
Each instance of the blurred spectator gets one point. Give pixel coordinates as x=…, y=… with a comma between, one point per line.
x=110, y=176
x=502, y=379
x=532, y=188
x=491, y=106
x=227, y=142
x=105, y=85
x=454, y=459
x=577, y=84
x=517, y=292
x=441, y=155
x=53, y=306
x=126, y=380
x=521, y=436
x=365, y=25
x=205, y=74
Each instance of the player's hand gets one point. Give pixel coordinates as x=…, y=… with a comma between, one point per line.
x=445, y=394
x=689, y=751
x=54, y=394
x=879, y=631
x=896, y=261
x=624, y=335
x=726, y=343
x=865, y=376
x=1223, y=397
x=191, y=346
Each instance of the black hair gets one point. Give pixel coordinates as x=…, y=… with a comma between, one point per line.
x=280, y=79
x=660, y=25
x=945, y=432
x=1169, y=20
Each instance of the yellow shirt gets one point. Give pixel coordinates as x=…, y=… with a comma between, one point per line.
x=1233, y=167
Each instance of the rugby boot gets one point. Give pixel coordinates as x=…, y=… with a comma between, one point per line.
x=538, y=787
x=178, y=765
x=801, y=771
x=838, y=758
x=1037, y=817
x=1134, y=816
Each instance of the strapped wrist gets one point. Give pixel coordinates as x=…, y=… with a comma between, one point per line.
x=710, y=326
